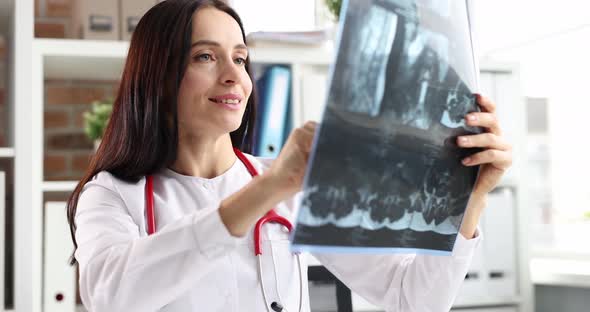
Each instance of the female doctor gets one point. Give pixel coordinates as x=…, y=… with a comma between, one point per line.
x=164, y=219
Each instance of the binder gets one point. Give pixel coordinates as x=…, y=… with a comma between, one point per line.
x=2, y=238
x=274, y=92
x=59, y=278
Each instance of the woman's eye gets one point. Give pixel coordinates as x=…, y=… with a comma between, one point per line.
x=240, y=61
x=203, y=57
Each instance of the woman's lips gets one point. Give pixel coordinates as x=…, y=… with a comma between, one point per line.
x=231, y=104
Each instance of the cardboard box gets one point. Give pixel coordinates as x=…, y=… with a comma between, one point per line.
x=50, y=29
x=2, y=47
x=96, y=20
x=131, y=13
x=58, y=8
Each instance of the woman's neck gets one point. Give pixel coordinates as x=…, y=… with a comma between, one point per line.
x=204, y=157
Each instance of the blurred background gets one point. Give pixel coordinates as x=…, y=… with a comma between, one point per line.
x=59, y=71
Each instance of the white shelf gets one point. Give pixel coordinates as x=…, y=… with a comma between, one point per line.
x=6, y=152
x=104, y=60
x=293, y=54
x=561, y=272
x=359, y=304
x=59, y=186
x=81, y=59
x=488, y=302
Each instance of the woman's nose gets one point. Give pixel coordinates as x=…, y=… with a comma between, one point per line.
x=230, y=74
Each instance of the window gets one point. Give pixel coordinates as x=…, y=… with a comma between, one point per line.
x=276, y=15
x=553, y=60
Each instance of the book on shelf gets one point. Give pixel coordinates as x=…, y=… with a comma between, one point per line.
x=385, y=173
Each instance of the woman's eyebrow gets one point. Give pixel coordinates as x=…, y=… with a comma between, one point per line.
x=217, y=44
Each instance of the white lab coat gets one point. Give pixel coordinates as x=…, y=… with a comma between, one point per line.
x=192, y=263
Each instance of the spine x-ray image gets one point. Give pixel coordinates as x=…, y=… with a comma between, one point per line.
x=385, y=174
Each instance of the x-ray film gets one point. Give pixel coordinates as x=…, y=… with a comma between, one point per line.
x=385, y=173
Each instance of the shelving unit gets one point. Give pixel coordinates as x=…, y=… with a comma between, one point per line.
x=59, y=186
x=6, y=152
x=104, y=60
x=39, y=59
x=80, y=59
x=28, y=160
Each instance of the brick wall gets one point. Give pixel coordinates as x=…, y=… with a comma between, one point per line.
x=67, y=149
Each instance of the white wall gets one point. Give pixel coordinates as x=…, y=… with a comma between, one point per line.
x=276, y=15
x=550, y=41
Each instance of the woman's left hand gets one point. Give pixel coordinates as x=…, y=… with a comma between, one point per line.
x=496, y=157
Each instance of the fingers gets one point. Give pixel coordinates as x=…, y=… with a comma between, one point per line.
x=497, y=158
x=310, y=126
x=484, y=140
x=485, y=120
x=486, y=103
x=304, y=135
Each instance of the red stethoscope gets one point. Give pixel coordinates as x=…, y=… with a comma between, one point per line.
x=270, y=217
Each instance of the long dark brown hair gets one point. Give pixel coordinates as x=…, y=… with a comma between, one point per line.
x=142, y=134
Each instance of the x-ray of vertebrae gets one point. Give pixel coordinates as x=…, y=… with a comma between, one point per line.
x=386, y=174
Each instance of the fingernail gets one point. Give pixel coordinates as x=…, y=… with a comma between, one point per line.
x=463, y=140
x=466, y=160
x=471, y=117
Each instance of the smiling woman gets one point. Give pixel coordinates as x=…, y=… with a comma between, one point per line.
x=216, y=73
x=149, y=90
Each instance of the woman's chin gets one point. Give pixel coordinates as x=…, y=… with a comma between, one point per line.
x=232, y=126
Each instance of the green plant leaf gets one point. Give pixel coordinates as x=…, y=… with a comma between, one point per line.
x=334, y=7
x=96, y=120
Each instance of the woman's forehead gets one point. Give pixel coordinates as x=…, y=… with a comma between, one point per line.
x=212, y=24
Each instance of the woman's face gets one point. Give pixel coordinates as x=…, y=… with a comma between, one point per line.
x=215, y=87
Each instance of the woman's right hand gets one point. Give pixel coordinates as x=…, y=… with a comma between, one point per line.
x=282, y=180
x=288, y=169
